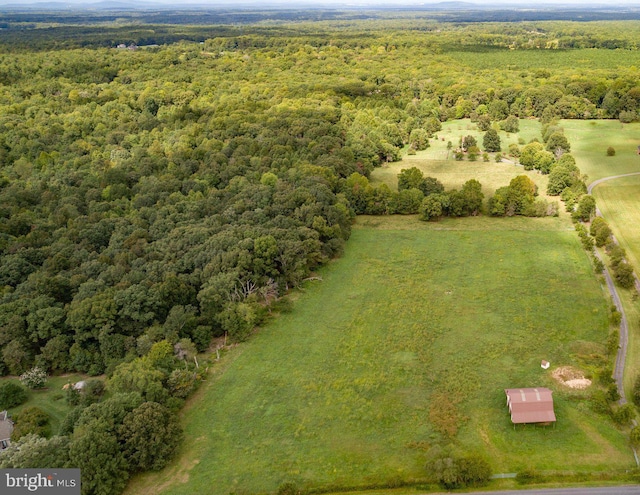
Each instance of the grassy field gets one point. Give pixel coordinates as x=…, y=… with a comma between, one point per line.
x=589, y=142
x=437, y=161
x=509, y=60
x=618, y=200
x=50, y=399
x=415, y=332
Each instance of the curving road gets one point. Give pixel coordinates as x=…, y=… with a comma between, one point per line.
x=604, y=179
x=618, y=371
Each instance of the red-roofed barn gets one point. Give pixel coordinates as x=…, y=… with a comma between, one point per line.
x=530, y=405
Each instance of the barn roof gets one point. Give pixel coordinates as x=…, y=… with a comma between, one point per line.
x=530, y=405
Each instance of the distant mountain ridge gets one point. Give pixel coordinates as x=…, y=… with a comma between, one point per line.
x=210, y=5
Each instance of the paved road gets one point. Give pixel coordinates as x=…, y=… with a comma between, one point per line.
x=609, y=490
x=604, y=179
x=618, y=371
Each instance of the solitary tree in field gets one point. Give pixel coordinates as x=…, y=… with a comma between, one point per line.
x=611, y=151
x=491, y=141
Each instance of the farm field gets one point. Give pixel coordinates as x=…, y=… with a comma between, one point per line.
x=618, y=200
x=349, y=389
x=589, y=142
x=619, y=204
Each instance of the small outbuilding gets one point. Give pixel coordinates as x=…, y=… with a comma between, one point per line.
x=6, y=428
x=545, y=364
x=530, y=405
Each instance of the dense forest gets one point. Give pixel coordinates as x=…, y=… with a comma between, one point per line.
x=177, y=191
x=154, y=198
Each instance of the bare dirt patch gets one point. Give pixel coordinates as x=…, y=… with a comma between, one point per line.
x=571, y=377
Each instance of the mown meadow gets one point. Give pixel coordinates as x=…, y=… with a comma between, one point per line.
x=618, y=201
x=407, y=342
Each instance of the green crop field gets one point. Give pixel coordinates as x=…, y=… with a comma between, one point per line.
x=408, y=339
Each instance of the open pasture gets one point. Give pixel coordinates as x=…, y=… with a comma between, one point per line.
x=584, y=60
x=437, y=161
x=589, y=142
x=407, y=341
x=619, y=202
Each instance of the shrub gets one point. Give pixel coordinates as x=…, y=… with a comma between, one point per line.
x=611, y=151
x=11, y=395
x=31, y=420
x=613, y=341
x=627, y=116
x=34, y=378
x=528, y=476
x=634, y=436
x=472, y=153
x=598, y=402
x=624, y=414
x=612, y=393
x=636, y=391
x=452, y=471
x=598, y=265
x=615, y=316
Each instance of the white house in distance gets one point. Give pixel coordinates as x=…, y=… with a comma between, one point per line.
x=6, y=427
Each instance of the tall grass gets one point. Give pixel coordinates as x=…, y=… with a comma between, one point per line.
x=341, y=392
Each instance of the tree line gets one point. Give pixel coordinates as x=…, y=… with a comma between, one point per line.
x=154, y=199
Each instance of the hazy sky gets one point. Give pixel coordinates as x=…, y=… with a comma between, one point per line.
x=335, y=3
x=343, y=3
